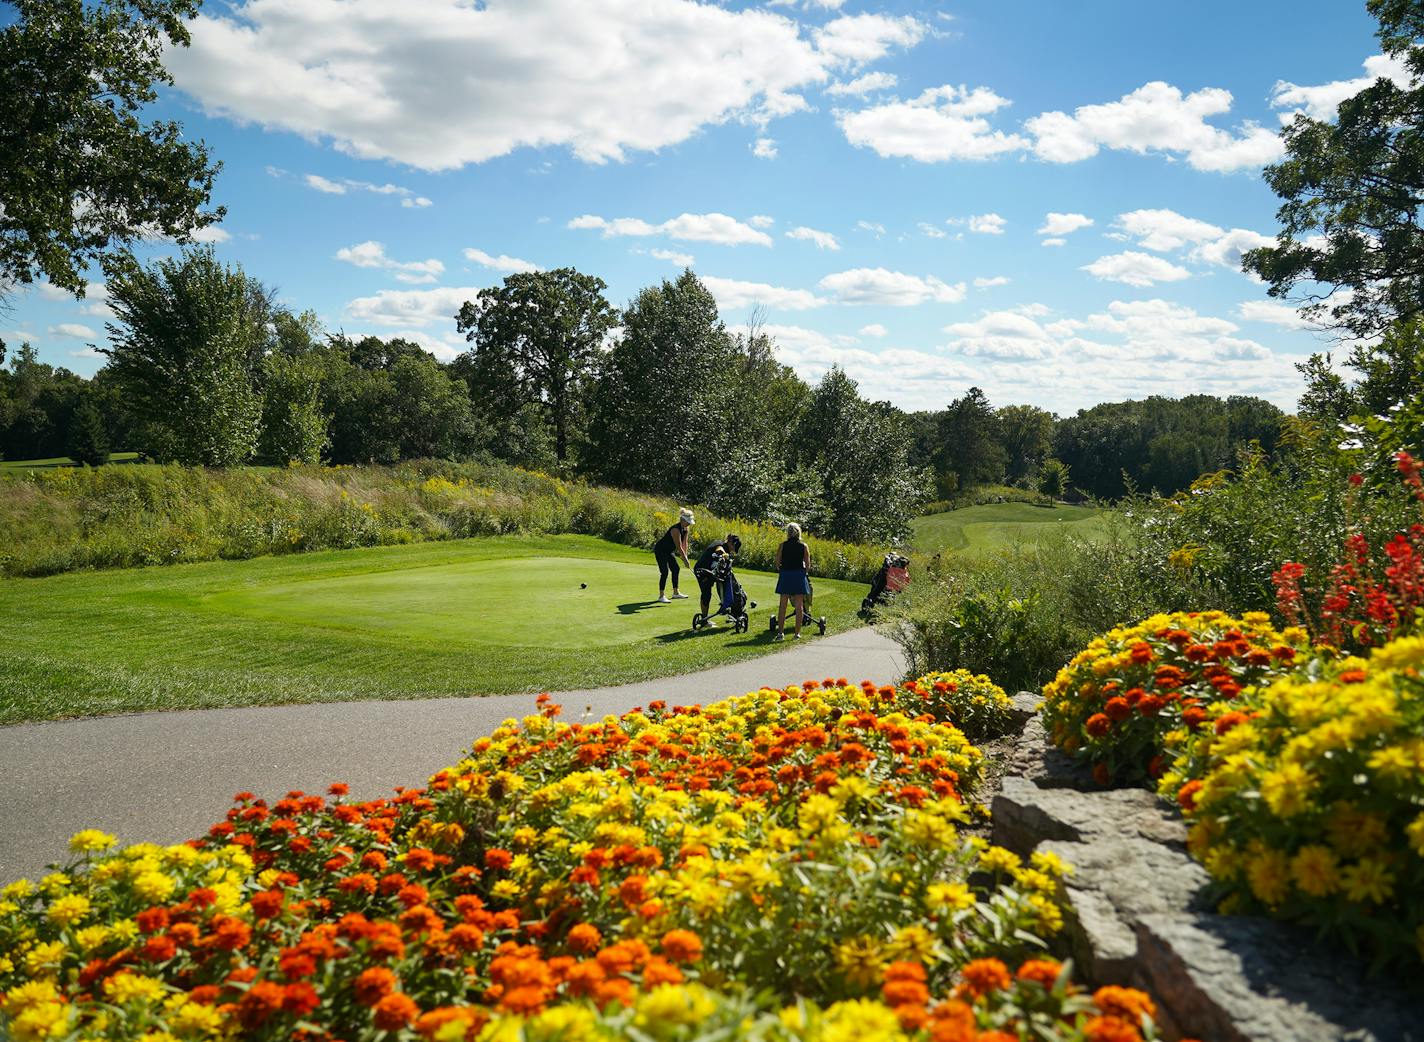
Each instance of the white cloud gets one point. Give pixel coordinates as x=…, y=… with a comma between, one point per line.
x=1322, y=101
x=1063, y=223
x=1164, y=230
x=764, y=148
x=799, y=339
x=1227, y=250
x=439, y=84
x=503, y=262
x=931, y=231
x=733, y=293
x=690, y=227
x=889, y=288
x=761, y=220
x=874, y=330
x=212, y=234
x=823, y=240
x=372, y=254
x=408, y=198
x=682, y=260
x=986, y=283
x=1273, y=313
x=87, y=352
x=987, y=224
x=1054, y=242
x=1135, y=269
x=870, y=226
x=321, y=184
x=943, y=123
x=416, y=201
x=410, y=309
x=1156, y=117
x=863, y=85
x=72, y=329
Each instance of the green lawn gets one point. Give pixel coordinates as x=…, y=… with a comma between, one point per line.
x=975, y=530
x=478, y=616
x=61, y=461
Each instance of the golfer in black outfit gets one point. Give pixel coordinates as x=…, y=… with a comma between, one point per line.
x=667, y=550
x=703, y=568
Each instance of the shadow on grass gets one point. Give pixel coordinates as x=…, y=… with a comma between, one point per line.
x=633, y=607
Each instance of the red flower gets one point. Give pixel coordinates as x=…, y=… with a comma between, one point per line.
x=300, y=998
x=373, y=985
x=1098, y=725
x=395, y=1011
x=262, y=1000
x=1118, y=708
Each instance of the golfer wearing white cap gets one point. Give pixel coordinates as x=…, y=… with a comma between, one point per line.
x=667, y=550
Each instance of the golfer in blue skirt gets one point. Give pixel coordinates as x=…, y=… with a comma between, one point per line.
x=793, y=567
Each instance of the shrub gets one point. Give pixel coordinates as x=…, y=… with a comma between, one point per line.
x=1305, y=799
x=1116, y=700
x=974, y=704
x=799, y=846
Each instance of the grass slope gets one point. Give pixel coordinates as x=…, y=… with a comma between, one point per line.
x=976, y=530
x=477, y=616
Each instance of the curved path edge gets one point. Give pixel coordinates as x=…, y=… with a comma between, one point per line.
x=165, y=777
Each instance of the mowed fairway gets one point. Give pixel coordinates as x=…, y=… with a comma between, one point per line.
x=976, y=530
x=479, y=616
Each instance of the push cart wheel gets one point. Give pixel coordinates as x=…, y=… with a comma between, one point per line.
x=771, y=623
x=821, y=625
x=697, y=621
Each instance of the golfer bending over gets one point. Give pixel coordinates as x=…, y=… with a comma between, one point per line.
x=703, y=569
x=793, y=567
x=667, y=550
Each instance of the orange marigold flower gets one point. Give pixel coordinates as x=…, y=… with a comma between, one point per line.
x=1110, y=1029
x=395, y=1011
x=159, y=948
x=259, y=1004
x=230, y=934
x=373, y=985
x=616, y=989
x=1098, y=725
x=1352, y=676
x=660, y=971
x=267, y=904
x=1127, y=1003
x=1041, y=971
x=905, y=971
x=905, y=993
x=466, y=938
x=584, y=978
x=1187, y=795
x=996, y=1036
x=498, y=859
x=1118, y=708
x=1226, y=721
x=300, y=998
x=953, y=1021
x=584, y=938
x=682, y=946
x=152, y=920
x=982, y=976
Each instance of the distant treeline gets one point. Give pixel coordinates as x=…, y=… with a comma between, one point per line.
x=660, y=396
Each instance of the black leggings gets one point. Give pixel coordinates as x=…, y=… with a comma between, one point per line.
x=667, y=561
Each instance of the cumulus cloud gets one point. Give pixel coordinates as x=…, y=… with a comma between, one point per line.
x=682, y=260
x=372, y=254
x=734, y=293
x=1227, y=249
x=503, y=262
x=1272, y=312
x=764, y=148
x=443, y=83
x=72, y=329
x=1323, y=100
x=1156, y=117
x=889, y=288
x=941, y=124
x=874, y=330
x=987, y=224
x=761, y=220
x=1167, y=230
x=211, y=234
x=690, y=227
x=863, y=85
x=1054, y=242
x=1135, y=269
x=410, y=309
x=932, y=231
x=823, y=240
x=1063, y=223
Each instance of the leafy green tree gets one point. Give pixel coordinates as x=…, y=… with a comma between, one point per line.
x=294, y=425
x=432, y=410
x=88, y=436
x=1053, y=478
x=970, y=448
x=1026, y=436
x=660, y=411
x=1350, y=232
x=37, y=402
x=81, y=173
x=187, y=348
x=537, y=338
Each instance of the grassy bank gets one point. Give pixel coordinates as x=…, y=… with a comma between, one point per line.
x=980, y=529
x=483, y=616
x=67, y=519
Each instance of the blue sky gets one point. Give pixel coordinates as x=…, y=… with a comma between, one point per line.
x=904, y=187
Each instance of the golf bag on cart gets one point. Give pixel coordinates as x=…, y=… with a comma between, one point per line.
x=734, y=603
x=807, y=619
x=894, y=576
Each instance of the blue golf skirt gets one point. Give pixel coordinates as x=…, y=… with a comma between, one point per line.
x=793, y=583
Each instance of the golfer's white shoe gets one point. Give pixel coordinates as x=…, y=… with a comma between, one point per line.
x=663, y=600
x=679, y=596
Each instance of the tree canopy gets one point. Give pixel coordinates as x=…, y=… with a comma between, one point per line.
x=81, y=173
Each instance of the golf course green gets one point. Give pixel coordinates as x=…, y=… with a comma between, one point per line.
x=985, y=528
x=478, y=616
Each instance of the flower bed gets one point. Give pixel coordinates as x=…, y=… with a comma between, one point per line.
x=971, y=702
x=1307, y=801
x=1112, y=705
x=783, y=865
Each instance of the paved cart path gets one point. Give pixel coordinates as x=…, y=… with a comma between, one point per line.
x=165, y=777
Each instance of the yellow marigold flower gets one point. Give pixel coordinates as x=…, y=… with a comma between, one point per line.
x=1031, y=879
x=505, y=890
x=40, y=1021
x=1368, y=881
x=564, y=1023
x=90, y=937
x=1223, y=863
x=43, y=959
x=953, y=897
x=55, y=883
x=1316, y=870
x=998, y=859
x=860, y=961
x=67, y=909
x=154, y=886
x=1047, y=913
x=1051, y=863
x=20, y=888
x=87, y=841
x=1351, y=830
x=816, y=813
x=192, y=1018
x=157, y=1036
x=664, y=1009
x=125, y=987
x=1399, y=654
x=1287, y=790
x=30, y=993
x=913, y=944
x=1268, y=875
x=858, y=1021
x=1392, y=762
